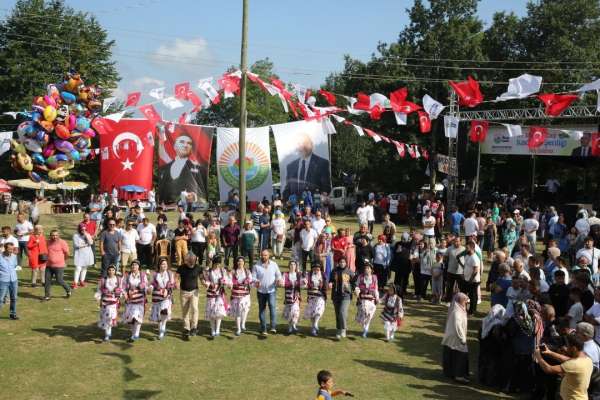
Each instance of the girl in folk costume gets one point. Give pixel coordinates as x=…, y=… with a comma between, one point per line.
x=393, y=312
x=241, y=279
x=134, y=289
x=292, y=282
x=109, y=292
x=215, y=280
x=162, y=286
x=368, y=297
x=316, y=287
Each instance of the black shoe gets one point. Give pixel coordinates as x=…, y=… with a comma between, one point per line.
x=194, y=332
x=34, y=285
x=186, y=335
x=68, y=294
x=14, y=317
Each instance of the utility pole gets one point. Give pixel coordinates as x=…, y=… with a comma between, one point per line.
x=243, y=113
x=453, y=181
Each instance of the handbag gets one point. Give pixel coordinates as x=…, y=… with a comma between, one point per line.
x=42, y=258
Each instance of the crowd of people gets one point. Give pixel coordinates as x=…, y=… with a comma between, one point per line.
x=542, y=277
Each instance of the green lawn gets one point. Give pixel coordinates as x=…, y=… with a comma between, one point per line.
x=55, y=352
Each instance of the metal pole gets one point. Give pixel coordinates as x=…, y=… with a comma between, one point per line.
x=478, y=168
x=532, y=176
x=243, y=112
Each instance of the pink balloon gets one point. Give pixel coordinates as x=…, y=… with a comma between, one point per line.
x=72, y=122
x=50, y=101
x=49, y=150
x=89, y=132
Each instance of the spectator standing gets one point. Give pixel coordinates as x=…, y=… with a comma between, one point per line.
x=371, y=215
x=428, y=223
x=23, y=229
x=110, y=246
x=58, y=251
x=38, y=255
x=278, y=230
x=308, y=239
x=83, y=257
x=230, y=237
x=265, y=229
x=187, y=282
x=362, y=214
x=152, y=200
x=145, y=245
x=248, y=241
x=471, y=226
x=341, y=283
x=198, y=241
x=456, y=221
x=129, y=237
x=9, y=282
x=530, y=227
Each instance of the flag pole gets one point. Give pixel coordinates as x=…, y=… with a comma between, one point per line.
x=243, y=112
x=478, y=168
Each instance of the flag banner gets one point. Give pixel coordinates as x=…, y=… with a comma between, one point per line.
x=183, y=161
x=303, y=150
x=557, y=143
x=259, y=183
x=447, y=165
x=126, y=156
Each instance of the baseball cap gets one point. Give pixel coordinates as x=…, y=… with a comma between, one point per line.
x=585, y=329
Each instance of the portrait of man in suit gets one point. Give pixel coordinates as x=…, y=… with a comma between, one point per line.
x=182, y=173
x=584, y=149
x=307, y=171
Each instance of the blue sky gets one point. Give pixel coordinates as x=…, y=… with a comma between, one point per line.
x=161, y=42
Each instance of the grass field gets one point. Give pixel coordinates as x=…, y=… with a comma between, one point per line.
x=55, y=352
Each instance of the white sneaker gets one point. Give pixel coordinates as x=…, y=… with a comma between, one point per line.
x=338, y=337
x=479, y=301
x=343, y=333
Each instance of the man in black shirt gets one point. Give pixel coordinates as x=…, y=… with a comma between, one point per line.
x=187, y=276
x=559, y=294
x=341, y=283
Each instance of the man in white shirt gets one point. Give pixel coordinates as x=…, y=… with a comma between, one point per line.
x=266, y=275
x=583, y=226
x=362, y=213
x=318, y=223
x=152, y=200
x=129, y=237
x=371, y=215
x=429, y=227
x=592, y=315
x=593, y=219
x=590, y=252
x=471, y=226
x=7, y=237
x=145, y=244
x=585, y=331
x=308, y=238
x=530, y=227
x=472, y=275
x=23, y=229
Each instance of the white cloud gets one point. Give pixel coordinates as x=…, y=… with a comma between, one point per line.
x=146, y=81
x=185, y=55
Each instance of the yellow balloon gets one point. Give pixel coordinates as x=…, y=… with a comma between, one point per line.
x=58, y=173
x=49, y=113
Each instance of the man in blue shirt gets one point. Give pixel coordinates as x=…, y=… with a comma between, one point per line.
x=456, y=220
x=8, y=278
x=266, y=275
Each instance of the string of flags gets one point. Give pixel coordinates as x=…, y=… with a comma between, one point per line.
x=302, y=103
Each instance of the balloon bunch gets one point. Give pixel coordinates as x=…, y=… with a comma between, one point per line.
x=58, y=131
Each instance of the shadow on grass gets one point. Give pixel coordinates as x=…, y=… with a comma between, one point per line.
x=442, y=391
x=82, y=333
x=140, y=394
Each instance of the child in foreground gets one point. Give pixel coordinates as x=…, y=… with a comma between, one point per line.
x=326, y=392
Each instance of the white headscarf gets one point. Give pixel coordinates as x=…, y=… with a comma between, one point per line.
x=494, y=317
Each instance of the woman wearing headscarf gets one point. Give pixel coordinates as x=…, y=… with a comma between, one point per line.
x=83, y=256
x=455, y=360
x=525, y=329
x=492, y=342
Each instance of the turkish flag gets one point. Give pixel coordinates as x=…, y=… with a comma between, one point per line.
x=399, y=103
x=537, y=136
x=181, y=90
x=99, y=126
x=195, y=99
x=469, y=93
x=595, y=143
x=150, y=113
x=329, y=97
x=479, y=130
x=133, y=99
x=400, y=148
x=363, y=102
x=556, y=103
x=411, y=151
x=230, y=83
x=127, y=156
x=424, y=122
x=376, y=111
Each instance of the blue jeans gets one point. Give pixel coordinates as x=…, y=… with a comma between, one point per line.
x=108, y=259
x=263, y=299
x=265, y=236
x=11, y=289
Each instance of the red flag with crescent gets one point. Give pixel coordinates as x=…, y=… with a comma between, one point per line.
x=468, y=92
x=133, y=99
x=150, y=113
x=128, y=155
x=537, y=136
x=556, y=103
x=424, y=122
x=479, y=130
x=181, y=90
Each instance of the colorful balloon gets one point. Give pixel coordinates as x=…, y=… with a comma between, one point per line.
x=62, y=132
x=50, y=113
x=82, y=124
x=68, y=98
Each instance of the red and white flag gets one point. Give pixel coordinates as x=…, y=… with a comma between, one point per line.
x=479, y=130
x=469, y=93
x=329, y=97
x=150, y=113
x=399, y=104
x=181, y=90
x=133, y=99
x=424, y=122
x=595, y=143
x=126, y=156
x=537, y=136
x=399, y=148
x=556, y=103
